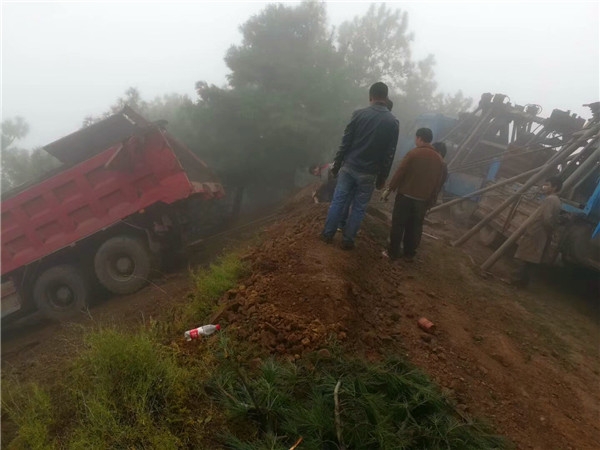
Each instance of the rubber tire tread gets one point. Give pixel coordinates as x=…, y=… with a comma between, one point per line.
x=137, y=250
x=70, y=276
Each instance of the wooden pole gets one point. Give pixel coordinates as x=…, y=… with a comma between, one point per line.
x=483, y=120
x=512, y=239
x=483, y=190
x=545, y=169
x=591, y=161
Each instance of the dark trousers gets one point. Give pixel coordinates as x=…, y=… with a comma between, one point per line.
x=407, y=225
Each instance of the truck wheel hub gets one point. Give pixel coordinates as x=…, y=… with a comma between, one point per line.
x=124, y=265
x=63, y=294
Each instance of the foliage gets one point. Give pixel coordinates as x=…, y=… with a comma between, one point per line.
x=376, y=46
x=294, y=82
x=129, y=391
x=211, y=283
x=287, y=99
x=12, y=130
x=123, y=391
x=169, y=107
x=19, y=165
x=30, y=408
x=387, y=405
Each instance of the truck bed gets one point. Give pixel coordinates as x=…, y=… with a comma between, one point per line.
x=96, y=189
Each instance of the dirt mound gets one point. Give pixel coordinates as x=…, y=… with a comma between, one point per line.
x=304, y=293
x=498, y=352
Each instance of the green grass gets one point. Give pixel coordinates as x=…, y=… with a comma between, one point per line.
x=124, y=390
x=30, y=408
x=382, y=406
x=211, y=283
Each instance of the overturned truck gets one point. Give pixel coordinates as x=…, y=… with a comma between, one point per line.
x=502, y=153
x=126, y=194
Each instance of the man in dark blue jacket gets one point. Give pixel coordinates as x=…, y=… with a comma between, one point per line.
x=363, y=162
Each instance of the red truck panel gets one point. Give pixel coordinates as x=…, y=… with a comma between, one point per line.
x=92, y=195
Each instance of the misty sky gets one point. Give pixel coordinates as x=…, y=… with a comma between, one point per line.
x=63, y=61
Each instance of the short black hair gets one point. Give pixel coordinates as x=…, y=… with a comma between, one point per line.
x=389, y=104
x=378, y=91
x=440, y=147
x=425, y=134
x=555, y=182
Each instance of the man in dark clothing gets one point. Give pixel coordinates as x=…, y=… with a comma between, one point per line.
x=416, y=182
x=363, y=161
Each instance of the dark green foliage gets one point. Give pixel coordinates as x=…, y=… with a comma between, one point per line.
x=382, y=406
x=19, y=165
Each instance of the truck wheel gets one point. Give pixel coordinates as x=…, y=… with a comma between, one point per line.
x=122, y=264
x=61, y=291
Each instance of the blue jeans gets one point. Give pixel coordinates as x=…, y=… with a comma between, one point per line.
x=355, y=187
x=346, y=212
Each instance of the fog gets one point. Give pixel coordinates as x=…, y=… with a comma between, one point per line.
x=64, y=61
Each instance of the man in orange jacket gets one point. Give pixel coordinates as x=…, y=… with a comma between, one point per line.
x=416, y=182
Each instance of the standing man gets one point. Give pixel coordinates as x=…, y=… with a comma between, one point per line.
x=533, y=244
x=416, y=182
x=363, y=162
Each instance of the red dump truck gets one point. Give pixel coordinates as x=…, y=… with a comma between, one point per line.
x=124, y=193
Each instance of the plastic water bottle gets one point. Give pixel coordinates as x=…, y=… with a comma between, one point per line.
x=204, y=330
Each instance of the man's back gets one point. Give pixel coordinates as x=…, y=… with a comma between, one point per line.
x=420, y=173
x=369, y=140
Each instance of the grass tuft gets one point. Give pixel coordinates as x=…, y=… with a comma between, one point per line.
x=30, y=408
x=388, y=405
x=211, y=283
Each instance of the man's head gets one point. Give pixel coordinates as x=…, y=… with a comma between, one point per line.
x=440, y=147
x=389, y=104
x=423, y=136
x=378, y=92
x=552, y=185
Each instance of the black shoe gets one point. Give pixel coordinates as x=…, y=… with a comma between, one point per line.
x=326, y=239
x=347, y=245
x=409, y=258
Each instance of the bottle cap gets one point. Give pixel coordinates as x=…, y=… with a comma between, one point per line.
x=217, y=327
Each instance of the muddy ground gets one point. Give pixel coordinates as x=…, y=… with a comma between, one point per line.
x=525, y=360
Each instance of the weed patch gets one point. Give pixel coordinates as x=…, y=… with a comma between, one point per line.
x=211, y=283
x=123, y=391
x=30, y=408
x=380, y=406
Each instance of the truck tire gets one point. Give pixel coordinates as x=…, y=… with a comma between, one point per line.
x=60, y=292
x=123, y=264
